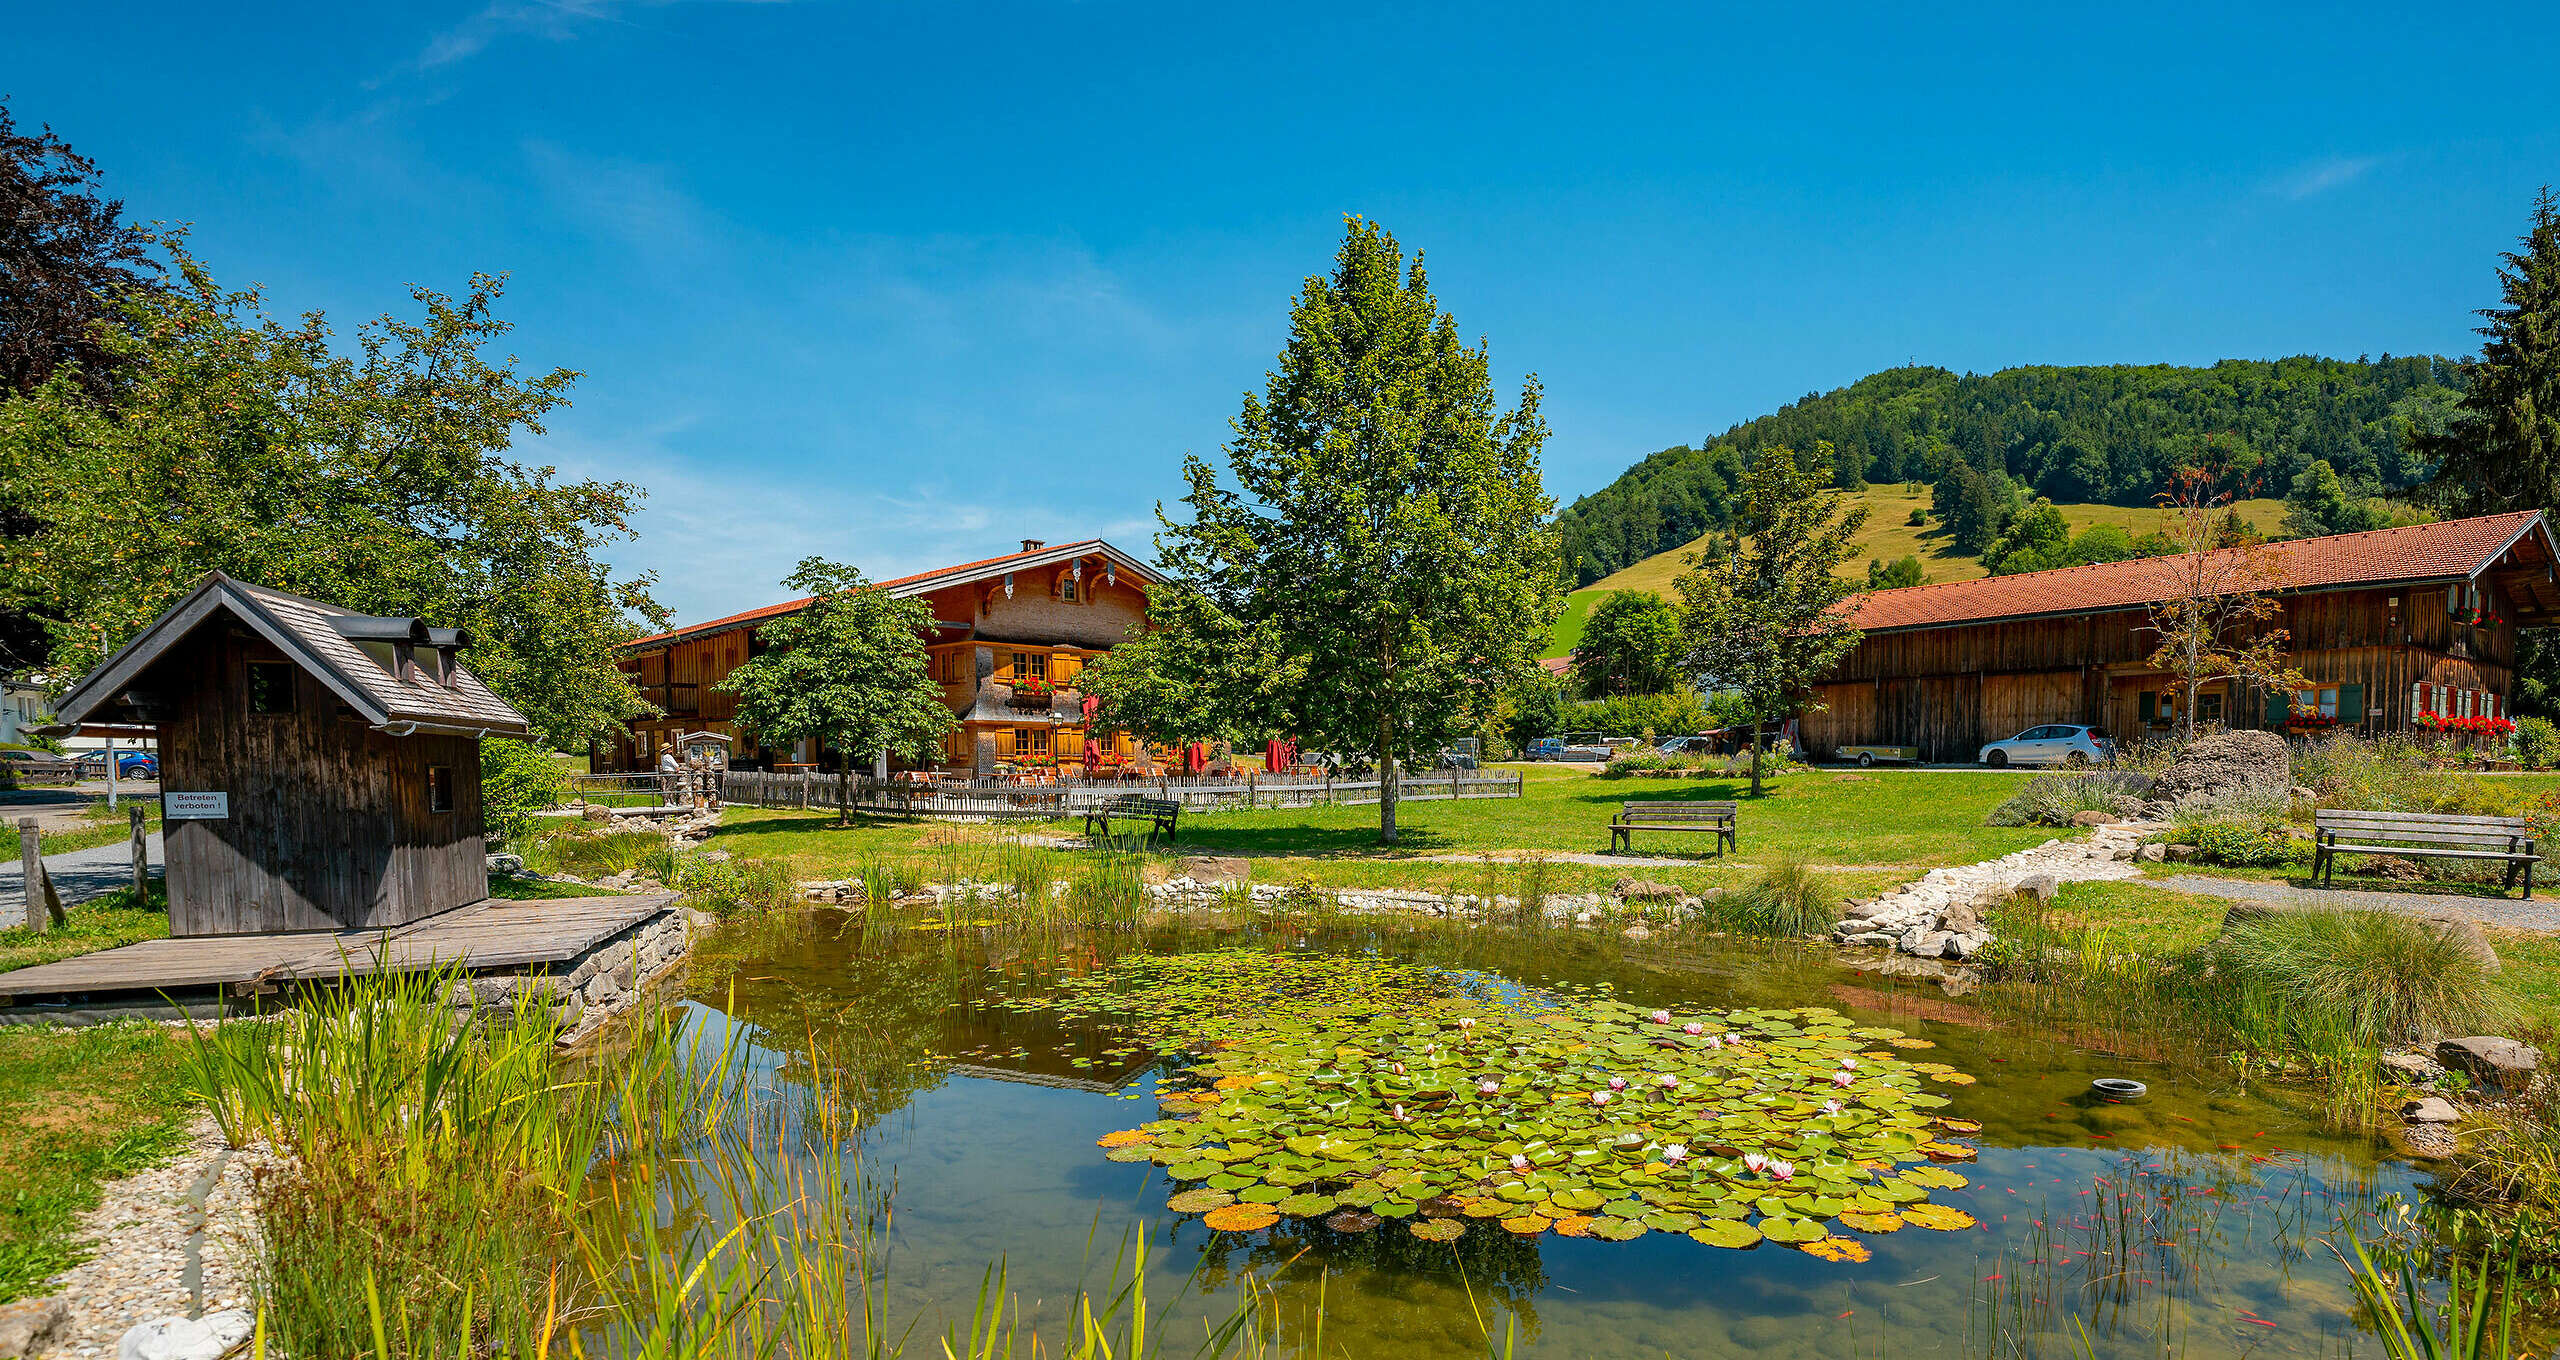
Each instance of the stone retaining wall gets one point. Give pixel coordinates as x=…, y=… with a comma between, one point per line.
x=595, y=986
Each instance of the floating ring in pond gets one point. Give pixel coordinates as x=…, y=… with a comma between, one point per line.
x=2119, y=1088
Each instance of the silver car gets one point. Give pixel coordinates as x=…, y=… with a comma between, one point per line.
x=2051, y=744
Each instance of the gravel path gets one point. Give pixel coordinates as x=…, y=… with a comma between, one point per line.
x=169, y=1243
x=2503, y=913
x=77, y=874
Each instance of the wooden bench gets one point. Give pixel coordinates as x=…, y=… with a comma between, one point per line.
x=2425, y=835
x=1634, y=817
x=1131, y=807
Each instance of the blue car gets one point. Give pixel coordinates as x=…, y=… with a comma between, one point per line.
x=129, y=765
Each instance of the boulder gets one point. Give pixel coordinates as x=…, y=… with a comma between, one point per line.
x=1217, y=869
x=1637, y=932
x=2151, y=854
x=2408, y=1067
x=176, y=1338
x=1963, y=918
x=597, y=812
x=2178, y=854
x=1643, y=890
x=2092, y=818
x=2225, y=765
x=2430, y=1110
x=2497, y=1064
x=2041, y=887
x=509, y=865
x=1933, y=945
x=30, y=1326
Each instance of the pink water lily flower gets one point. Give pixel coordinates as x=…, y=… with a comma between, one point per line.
x=1519, y=1161
x=1842, y=1078
x=1714, y=1042
x=1662, y=1017
x=1831, y=1107
x=1785, y=1171
x=1599, y=1097
x=1617, y=1083
x=1693, y=1027
x=1849, y=1063
x=1754, y=1161
x=1488, y=1086
x=1669, y=1082
x=1675, y=1153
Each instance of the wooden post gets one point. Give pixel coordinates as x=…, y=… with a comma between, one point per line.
x=141, y=855
x=1250, y=803
x=1453, y=783
x=31, y=854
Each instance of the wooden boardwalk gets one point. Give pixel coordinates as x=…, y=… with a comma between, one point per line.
x=493, y=933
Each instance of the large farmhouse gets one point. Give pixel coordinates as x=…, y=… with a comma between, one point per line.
x=2387, y=625
x=1010, y=635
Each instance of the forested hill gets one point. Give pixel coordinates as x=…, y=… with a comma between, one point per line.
x=2109, y=434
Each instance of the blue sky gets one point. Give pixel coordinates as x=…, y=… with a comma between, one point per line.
x=901, y=284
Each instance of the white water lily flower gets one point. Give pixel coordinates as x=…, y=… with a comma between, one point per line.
x=1785, y=1171
x=1519, y=1161
x=1599, y=1097
x=1754, y=1160
x=1849, y=1063
x=1662, y=1017
x=1617, y=1083
x=1488, y=1086
x=1675, y=1153
x=1669, y=1082
x=1842, y=1078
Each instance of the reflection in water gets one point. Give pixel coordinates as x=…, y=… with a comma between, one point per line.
x=2186, y=1223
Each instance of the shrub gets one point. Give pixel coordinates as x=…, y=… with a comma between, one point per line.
x=2379, y=976
x=1788, y=900
x=2053, y=799
x=2537, y=742
x=1628, y=715
x=2238, y=839
x=517, y=779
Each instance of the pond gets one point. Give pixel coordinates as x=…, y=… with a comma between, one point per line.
x=1008, y=1091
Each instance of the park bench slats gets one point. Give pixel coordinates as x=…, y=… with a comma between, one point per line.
x=1714, y=816
x=2423, y=835
x=1162, y=813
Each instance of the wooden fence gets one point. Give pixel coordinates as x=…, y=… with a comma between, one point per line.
x=996, y=798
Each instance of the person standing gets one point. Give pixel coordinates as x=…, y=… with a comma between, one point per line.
x=670, y=777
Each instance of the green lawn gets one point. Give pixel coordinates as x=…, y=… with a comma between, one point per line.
x=1567, y=633
x=109, y=825
x=77, y=1107
x=99, y=923
x=1844, y=822
x=2139, y=918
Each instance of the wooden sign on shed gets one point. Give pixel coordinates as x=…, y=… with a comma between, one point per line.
x=321, y=768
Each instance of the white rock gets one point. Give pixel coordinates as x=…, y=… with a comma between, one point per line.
x=177, y=1338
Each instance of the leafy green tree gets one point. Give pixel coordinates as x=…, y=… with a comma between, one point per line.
x=1766, y=621
x=2101, y=543
x=849, y=674
x=1631, y=645
x=1974, y=506
x=2501, y=451
x=2036, y=540
x=1387, y=536
x=517, y=779
x=378, y=480
x=2319, y=502
x=1904, y=571
x=1535, y=708
x=1193, y=673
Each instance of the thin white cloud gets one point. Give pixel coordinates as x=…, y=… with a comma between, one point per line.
x=549, y=20
x=2320, y=176
x=636, y=203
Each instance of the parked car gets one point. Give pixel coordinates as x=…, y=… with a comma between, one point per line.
x=129, y=765
x=1466, y=753
x=1688, y=746
x=2051, y=744
x=1582, y=746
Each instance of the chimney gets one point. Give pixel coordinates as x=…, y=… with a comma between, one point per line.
x=1033, y=544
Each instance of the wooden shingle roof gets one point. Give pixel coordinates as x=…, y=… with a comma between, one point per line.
x=310, y=633
x=2518, y=546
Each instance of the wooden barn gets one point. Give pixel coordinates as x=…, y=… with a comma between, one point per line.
x=320, y=769
x=1010, y=635
x=2387, y=625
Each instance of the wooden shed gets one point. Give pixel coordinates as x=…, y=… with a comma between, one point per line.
x=320, y=769
x=2392, y=627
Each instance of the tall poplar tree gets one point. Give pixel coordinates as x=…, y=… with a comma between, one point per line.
x=2501, y=450
x=1386, y=548
x=1766, y=618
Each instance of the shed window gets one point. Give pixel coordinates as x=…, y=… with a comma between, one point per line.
x=1067, y=589
x=271, y=687
x=439, y=788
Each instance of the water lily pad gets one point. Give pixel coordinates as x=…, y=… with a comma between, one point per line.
x=1846, y=1249
x=1671, y=1221
x=1726, y=1233
x=1574, y=1225
x=1262, y=1194
x=1527, y=1225
x=1935, y=1178
x=1307, y=1206
x=1437, y=1229
x=1937, y=1217
x=1791, y=1230
x=1871, y=1223
x=1353, y=1221
x=1124, y=1138
x=1136, y=1153
x=1242, y=1217
x=1199, y=1201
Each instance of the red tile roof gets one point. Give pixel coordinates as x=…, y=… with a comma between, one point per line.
x=722, y=625
x=2417, y=552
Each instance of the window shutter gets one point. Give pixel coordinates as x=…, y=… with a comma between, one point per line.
x=2350, y=703
x=2150, y=706
x=2279, y=707
x=1004, y=742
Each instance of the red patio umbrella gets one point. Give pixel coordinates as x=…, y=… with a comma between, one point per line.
x=1196, y=758
x=1274, y=755
x=1092, y=754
